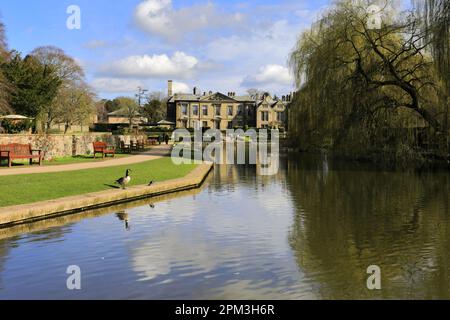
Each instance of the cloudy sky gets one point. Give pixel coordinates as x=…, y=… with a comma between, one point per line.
x=218, y=45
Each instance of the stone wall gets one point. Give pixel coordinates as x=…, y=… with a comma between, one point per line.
x=59, y=145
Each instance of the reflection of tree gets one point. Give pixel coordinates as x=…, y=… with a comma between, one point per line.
x=4, y=251
x=353, y=218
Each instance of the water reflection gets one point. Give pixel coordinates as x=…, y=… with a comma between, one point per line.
x=357, y=217
x=308, y=231
x=123, y=216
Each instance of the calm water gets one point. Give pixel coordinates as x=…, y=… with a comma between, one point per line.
x=309, y=232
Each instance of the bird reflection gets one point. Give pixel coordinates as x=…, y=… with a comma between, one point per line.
x=123, y=216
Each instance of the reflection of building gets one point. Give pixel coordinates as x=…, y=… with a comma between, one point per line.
x=220, y=111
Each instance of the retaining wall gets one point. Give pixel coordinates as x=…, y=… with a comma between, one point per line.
x=60, y=145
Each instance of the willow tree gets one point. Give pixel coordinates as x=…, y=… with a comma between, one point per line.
x=363, y=89
x=435, y=18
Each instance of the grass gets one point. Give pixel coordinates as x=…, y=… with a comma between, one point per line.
x=62, y=160
x=82, y=159
x=29, y=188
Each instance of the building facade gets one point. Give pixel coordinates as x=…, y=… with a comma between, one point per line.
x=220, y=111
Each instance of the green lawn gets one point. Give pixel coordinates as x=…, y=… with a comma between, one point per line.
x=29, y=188
x=82, y=159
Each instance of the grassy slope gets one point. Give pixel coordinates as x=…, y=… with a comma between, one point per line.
x=22, y=189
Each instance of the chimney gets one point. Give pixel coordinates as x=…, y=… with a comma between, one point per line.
x=283, y=98
x=195, y=91
x=170, y=88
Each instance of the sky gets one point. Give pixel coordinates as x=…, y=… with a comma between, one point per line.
x=215, y=45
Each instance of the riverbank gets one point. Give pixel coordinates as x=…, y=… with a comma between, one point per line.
x=13, y=215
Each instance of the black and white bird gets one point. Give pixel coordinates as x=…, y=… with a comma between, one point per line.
x=150, y=183
x=125, y=180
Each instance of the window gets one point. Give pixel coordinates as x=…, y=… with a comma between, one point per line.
x=218, y=111
x=240, y=110
x=230, y=110
x=230, y=124
x=264, y=116
x=205, y=110
x=195, y=110
x=184, y=109
x=205, y=124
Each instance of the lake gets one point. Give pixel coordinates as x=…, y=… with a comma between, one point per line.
x=308, y=232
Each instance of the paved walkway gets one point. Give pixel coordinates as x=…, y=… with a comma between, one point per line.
x=153, y=154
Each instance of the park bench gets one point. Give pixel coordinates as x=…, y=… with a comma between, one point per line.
x=19, y=151
x=124, y=148
x=104, y=149
x=137, y=145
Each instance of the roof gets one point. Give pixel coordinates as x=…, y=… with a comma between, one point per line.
x=244, y=98
x=212, y=97
x=121, y=113
x=218, y=96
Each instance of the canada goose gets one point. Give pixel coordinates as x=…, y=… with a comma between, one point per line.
x=151, y=205
x=125, y=180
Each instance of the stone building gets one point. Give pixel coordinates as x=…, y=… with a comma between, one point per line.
x=226, y=111
x=121, y=117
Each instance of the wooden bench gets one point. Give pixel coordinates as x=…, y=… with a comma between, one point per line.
x=19, y=151
x=125, y=148
x=104, y=149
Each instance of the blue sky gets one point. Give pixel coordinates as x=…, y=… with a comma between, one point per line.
x=214, y=45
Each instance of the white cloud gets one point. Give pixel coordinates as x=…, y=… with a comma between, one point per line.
x=268, y=41
x=268, y=75
x=146, y=66
x=158, y=17
x=113, y=85
x=180, y=87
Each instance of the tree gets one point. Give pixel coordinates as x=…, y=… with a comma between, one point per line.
x=102, y=112
x=74, y=104
x=67, y=69
x=155, y=109
x=70, y=73
x=112, y=105
x=254, y=93
x=360, y=88
x=5, y=87
x=34, y=85
x=435, y=21
x=129, y=107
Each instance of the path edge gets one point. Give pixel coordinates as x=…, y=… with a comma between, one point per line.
x=14, y=215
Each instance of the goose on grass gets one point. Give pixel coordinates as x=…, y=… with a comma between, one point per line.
x=124, y=181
